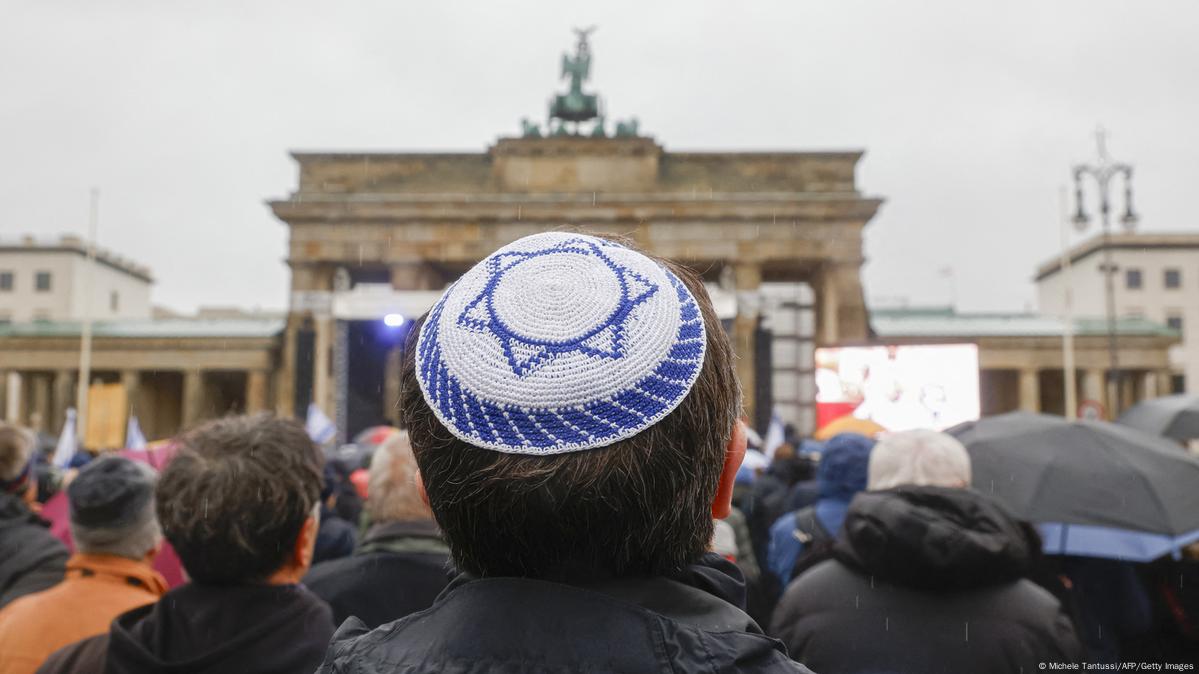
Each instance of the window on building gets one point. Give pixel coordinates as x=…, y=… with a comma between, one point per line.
x=41, y=315
x=1178, y=383
x=1174, y=321
x=5, y=318
x=41, y=281
x=114, y=301
x=1173, y=279
x=1136, y=313
x=6, y=281
x=1132, y=279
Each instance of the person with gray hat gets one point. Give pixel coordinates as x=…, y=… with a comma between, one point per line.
x=116, y=538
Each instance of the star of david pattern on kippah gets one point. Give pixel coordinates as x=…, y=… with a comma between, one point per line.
x=559, y=342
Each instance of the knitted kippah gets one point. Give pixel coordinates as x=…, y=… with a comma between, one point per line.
x=559, y=342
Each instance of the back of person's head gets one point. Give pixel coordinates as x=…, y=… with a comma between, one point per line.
x=111, y=505
x=843, y=466
x=571, y=403
x=392, y=494
x=921, y=458
x=236, y=497
x=16, y=459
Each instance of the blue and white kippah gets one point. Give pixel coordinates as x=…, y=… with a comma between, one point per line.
x=557, y=343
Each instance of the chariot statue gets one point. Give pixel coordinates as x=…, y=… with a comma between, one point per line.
x=568, y=110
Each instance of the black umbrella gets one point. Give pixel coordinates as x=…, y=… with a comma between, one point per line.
x=1174, y=416
x=1117, y=491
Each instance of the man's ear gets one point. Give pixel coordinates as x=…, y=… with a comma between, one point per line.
x=734, y=453
x=420, y=489
x=305, y=544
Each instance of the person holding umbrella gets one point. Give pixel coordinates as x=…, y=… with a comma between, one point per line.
x=927, y=575
x=1105, y=497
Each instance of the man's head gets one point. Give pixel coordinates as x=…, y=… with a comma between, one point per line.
x=16, y=462
x=843, y=466
x=239, y=501
x=392, y=492
x=573, y=410
x=922, y=458
x=112, y=509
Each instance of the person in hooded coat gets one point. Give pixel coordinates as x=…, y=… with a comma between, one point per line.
x=31, y=558
x=927, y=577
x=581, y=531
x=840, y=475
x=239, y=503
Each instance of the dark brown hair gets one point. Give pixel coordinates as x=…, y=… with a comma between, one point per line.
x=234, y=498
x=641, y=506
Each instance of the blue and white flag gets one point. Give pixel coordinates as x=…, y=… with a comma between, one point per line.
x=134, y=438
x=319, y=426
x=775, y=436
x=68, y=444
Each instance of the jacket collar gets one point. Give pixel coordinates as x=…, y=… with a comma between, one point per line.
x=706, y=595
x=133, y=572
x=403, y=536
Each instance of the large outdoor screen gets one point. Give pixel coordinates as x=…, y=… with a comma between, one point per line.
x=898, y=387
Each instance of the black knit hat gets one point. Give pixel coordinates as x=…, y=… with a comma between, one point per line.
x=110, y=492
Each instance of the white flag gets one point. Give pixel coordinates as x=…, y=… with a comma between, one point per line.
x=134, y=438
x=68, y=444
x=320, y=427
x=774, y=436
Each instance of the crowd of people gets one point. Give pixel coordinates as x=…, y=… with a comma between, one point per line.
x=566, y=495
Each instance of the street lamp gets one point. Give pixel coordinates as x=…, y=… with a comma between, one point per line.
x=1104, y=172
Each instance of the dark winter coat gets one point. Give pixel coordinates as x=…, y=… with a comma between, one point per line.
x=335, y=538
x=686, y=624
x=31, y=558
x=926, y=580
x=399, y=569
x=205, y=629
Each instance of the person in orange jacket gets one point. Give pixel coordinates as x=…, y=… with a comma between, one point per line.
x=116, y=535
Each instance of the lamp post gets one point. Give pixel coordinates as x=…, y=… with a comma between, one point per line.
x=1104, y=171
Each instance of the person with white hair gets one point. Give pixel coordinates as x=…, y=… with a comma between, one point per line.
x=31, y=558
x=116, y=537
x=402, y=551
x=924, y=560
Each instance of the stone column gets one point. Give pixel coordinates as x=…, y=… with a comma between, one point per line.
x=285, y=379
x=1093, y=386
x=1149, y=385
x=256, y=398
x=391, y=384
x=1128, y=391
x=1163, y=382
x=13, y=402
x=748, y=279
x=842, y=308
x=39, y=401
x=1030, y=390
x=64, y=397
x=829, y=309
x=193, y=397
x=131, y=380
x=322, y=360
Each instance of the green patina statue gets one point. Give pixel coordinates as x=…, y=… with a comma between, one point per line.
x=569, y=109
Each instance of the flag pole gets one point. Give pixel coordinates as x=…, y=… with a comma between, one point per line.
x=85, y=340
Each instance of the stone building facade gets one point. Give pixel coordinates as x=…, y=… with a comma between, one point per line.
x=417, y=221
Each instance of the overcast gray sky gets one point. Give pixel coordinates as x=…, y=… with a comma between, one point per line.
x=970, y=114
